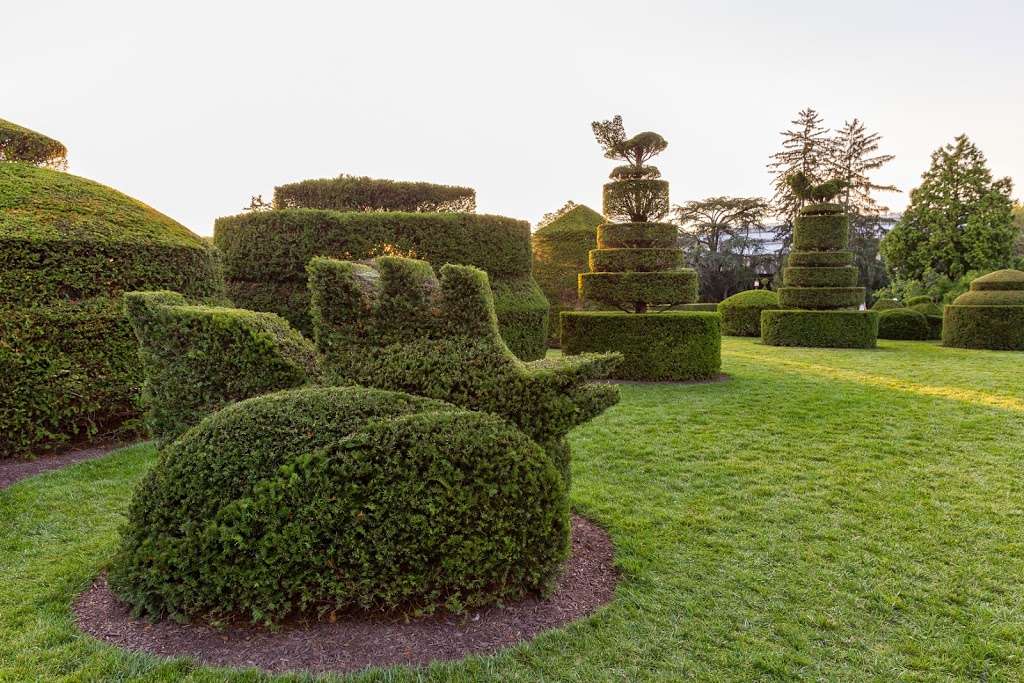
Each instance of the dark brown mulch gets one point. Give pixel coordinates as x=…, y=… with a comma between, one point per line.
x=354, y=643
x=12, y=471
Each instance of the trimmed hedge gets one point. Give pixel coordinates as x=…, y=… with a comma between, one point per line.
x=359, y=193
x=820, y=259
x=926, y=308
x=709, y=307
x=318, y=500
x=902, y=323
x=265, y=257
x=990, y=297
x=885, y=304
x=999, y=280
x=673, y=346
x=816, y=276
x=821, y=298
x=829, y=329
x=199, y=358
x=741, y=313
x=21, y=144
x=666, y=288
x=988, y=316
x=918, y=300
x=635, y=260
x=829, y=232
x=637, y=200
x=636, y=235
x=69, y=248
x=560, y=252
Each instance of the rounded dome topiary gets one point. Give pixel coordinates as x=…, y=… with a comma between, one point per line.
x=321, y=499
x=915, y=300
x=741, y=313
x=988, y=316
x=885, y=304
x=902, y=323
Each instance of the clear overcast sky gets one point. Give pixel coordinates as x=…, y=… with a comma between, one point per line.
x=194, y=106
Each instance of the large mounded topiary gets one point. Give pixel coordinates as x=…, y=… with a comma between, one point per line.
x=69, y=248
x=637, y=268
x=820, y=280
x=741, y=312
x=560, y=251
x=988, y=316
x=266, y=252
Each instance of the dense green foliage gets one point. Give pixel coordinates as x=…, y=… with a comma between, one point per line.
x=990, y=315
x=198, y=359
x=673, y=346
x=639, y=200
x=919, y=299
x=927, y=308
x=741, y=313
x=706, y=306
x=816, y=276
x=265, y=257
x=835, y=329
x=958, y=220
x=635, y=260
x=802, y=542
x=321, y=499
x=821, y=298
x=885, y=304
x=903, y=323
x=358, y=193
x=636, y=235
x=21, y=144
x=560, y=252
x=819, y=259
x=69, y=248
x=821, y=232
x=624, y=290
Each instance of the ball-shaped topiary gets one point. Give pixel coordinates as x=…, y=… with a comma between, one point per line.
x=988, y=316
x=885, y=304
x=321, y=499
x=741, y=313
x=902, y=323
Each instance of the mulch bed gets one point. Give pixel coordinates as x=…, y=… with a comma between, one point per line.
x=357, y=642
x=12, y=471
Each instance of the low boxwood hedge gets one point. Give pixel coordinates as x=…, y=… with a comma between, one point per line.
x=830, y=329
x=635, y=260
x=664, y=288
x=902, y=323
x=817, y=276
x=319, y=500
x=636, y=235
x=700, y=306
x=359, y=193
x=199, y=358
x=741, y=313
x=670, y=346
x=821, y=298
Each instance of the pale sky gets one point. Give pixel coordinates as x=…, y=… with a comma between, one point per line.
x=192, y=107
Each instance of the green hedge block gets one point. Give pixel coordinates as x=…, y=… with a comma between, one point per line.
x=828, y=329
x=637, y=200
x=635, y=260
x=199, y=358
x=815, y=276
x=666, y=288
x=357, y=193
x=671, y=346
x=820, y=259
x=999, y=328
x=317, y=500
x=821, y=298
x=918, y=300
x=741, y=313
x=902, y=323
x=709, y=307
x=821, y=233
x=636, y=235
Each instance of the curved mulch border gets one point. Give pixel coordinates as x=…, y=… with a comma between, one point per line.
x=357, y=642
x=13, y=471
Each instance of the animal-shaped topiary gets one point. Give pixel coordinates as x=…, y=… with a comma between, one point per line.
x=805, y=189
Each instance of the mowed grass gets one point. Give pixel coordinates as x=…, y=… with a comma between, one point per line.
x=821, y=515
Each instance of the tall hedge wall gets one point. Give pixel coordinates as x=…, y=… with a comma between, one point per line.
x=265, y=257
x=69, y=248
x=358, y=193
x=560, y=251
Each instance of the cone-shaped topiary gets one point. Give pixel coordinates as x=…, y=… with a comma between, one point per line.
x=741, y=313
x=637, y=268
x=988, y=316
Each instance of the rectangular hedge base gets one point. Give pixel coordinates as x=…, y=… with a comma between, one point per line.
x=673, y=346
x=843, y=329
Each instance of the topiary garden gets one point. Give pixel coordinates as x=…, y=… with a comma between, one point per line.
x=988, y=316
x=638, y=269
x=819, y=300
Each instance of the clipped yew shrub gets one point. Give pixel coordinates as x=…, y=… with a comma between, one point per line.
x=902, y=323
x=69, y=248
x=198, y=359
x=560, y=252
x=317, y=500
x=988, y=316
x=830, y=329
x=359, y=193
x=741, y=312
x=885, y=304
x=265, y=257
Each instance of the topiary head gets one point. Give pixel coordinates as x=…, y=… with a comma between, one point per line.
x=805, y=189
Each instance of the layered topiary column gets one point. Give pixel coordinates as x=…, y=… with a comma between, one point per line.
x=820, y=300
x=990, y=315
x=638, y=269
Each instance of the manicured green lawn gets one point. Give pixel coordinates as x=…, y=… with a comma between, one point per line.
x=826, y=514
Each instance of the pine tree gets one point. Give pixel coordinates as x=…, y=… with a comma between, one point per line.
x=959, y=219
x=806, y=149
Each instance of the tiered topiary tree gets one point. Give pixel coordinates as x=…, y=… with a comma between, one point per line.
x=637, y=268
x=988, y=316
x=820, y=298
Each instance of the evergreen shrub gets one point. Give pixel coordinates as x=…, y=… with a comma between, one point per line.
x=988, y=316
x=902, y=323
x=359, y=193
x=835, y=329
x=741, y=313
